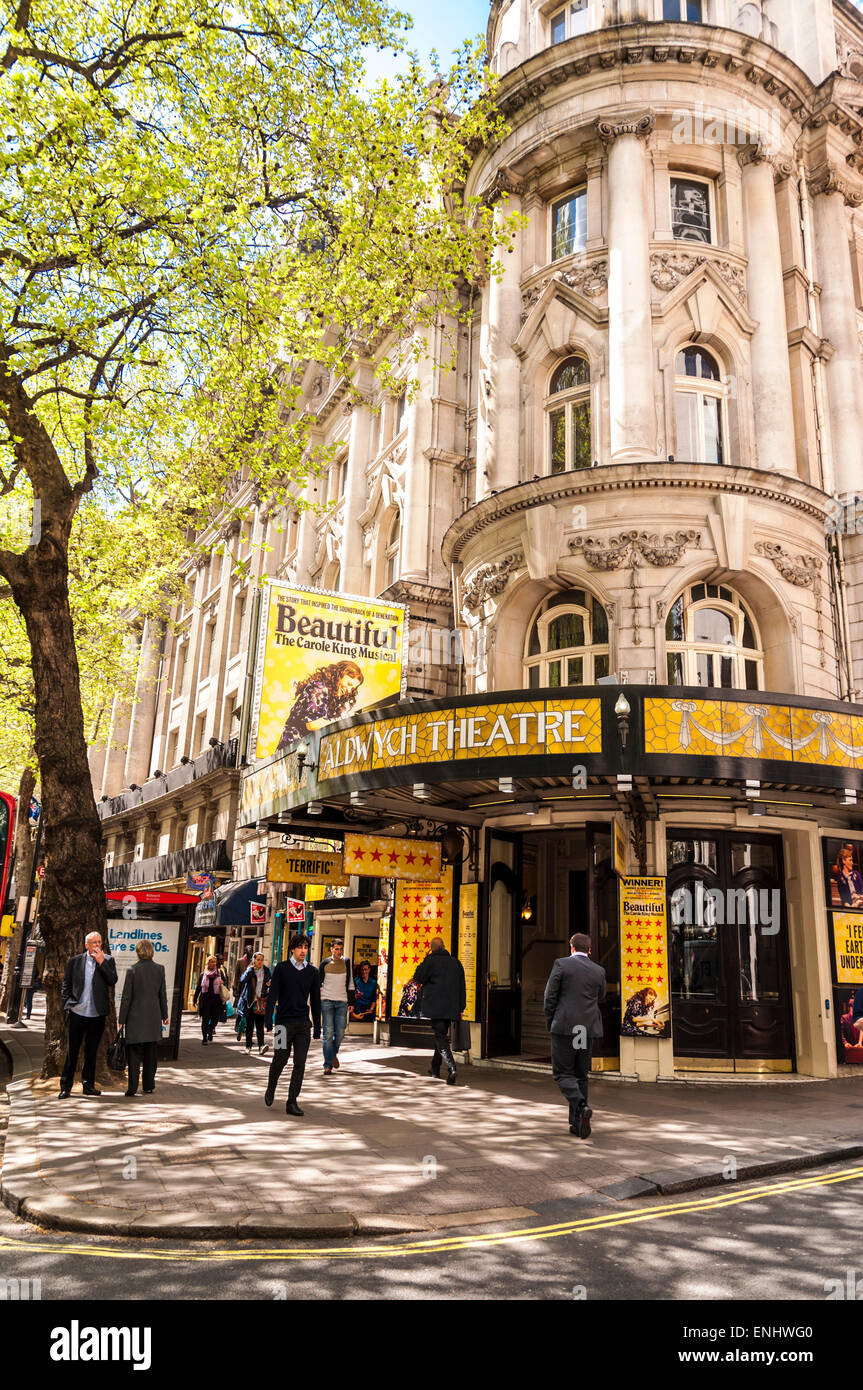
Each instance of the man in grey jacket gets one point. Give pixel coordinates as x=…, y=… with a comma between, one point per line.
x=575, y=990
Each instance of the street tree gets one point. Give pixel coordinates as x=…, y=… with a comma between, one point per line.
x=196, y=199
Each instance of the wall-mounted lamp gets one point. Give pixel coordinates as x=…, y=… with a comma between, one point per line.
x=302, y=752
x=452, y=845
x=529, y=808
x=622, y=711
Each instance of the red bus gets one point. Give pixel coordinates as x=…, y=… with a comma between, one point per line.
x=7, y=835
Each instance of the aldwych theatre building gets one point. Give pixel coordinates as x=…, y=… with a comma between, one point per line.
x=626, y=534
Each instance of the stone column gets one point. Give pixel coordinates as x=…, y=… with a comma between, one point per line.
x=355, y=498
x=140, y=741
x=415, y=543
x=504, y=326
x=631, y=367
x=773, y=405
x=831, y=193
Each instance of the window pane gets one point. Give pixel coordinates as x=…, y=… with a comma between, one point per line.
x=697, y=591
x=690, y=210
x=748, y=634
x=759, y=951
x=752, y=675
x=670, y=9
x=704, y=669
x=726, y=674
x=554, y=674
x=600, y=667
x=580, y=417
x=687, y=426
x=675, y=668
x=712, y=625
x=694, y=944
x=566, y=632
x=693, y=11
x=558, y=27
x=533, y=647
x=692, y=852
x=575, y=674
x=569, y=226
x=533, y=678
x=558, y=441
x=575, y=371
x=600, y=622
x=674, y=622
x=578, y=17
x=752, y=854
x=712, y=430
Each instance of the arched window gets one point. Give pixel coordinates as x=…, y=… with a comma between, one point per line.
x=698, y=396
x=712, y=640
x=569, y=416
x=567, y=643
x=391, y=557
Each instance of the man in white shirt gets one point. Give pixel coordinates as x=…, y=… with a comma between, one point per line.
x=336, y=994
x=87, y=999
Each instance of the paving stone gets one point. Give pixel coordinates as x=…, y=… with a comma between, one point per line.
x=304, y=1223
x=629, y=1187
x=483, y=1217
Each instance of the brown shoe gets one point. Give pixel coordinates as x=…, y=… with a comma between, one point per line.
x=328, y=1071
x=336, y=1063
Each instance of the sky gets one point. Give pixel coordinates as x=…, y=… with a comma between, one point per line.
x=440, y=24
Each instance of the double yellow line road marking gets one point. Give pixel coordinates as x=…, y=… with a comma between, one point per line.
x=435, y=1245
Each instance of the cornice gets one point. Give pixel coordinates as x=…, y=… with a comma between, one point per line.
x=788, y=492
x=832, y=178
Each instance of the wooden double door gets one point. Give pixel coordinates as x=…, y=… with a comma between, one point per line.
x=728, y=947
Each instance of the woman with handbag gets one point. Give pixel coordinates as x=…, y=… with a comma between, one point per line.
x=208, y=998
x=253, y=992
x=143, y=1014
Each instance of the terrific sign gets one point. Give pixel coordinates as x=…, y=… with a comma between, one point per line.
x=387, y=856
x=305, y=866
x=320, y=657
x=644, y=988
x=519, y=730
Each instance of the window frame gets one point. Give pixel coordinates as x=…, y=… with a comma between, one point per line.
x=681, y=5
x=541, y=622
x=392, y=549
x=566, y=11
x=710, y=184
x=565, y=401
x=702, y=388
x=578, y=191
x=691, y=648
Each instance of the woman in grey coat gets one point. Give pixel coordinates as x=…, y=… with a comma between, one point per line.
x=143, y=1013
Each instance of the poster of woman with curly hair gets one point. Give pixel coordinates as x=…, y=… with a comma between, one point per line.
x=321, y=657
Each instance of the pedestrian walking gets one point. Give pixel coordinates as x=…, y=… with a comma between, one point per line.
x=337, y=992
x=29, y=992
x=294, y=988
x=575, y=990
x=85, y=992
x=208, y=998
x=143, y=1014
x=443, y=999
x=253, y=1001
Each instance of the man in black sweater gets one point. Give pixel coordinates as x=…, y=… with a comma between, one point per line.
x=294, y=985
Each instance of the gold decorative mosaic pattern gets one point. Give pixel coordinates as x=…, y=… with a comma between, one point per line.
x=519, y=729
x=737, y=729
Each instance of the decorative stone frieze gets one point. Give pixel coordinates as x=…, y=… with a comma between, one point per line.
x=633, y=548
x=489, y=581
x=642, y=126
x=589, y=280
x=669, y=268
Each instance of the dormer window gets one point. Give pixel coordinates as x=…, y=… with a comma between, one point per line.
x=571, y=20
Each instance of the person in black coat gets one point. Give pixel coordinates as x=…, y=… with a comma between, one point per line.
x=576, y=988
x=252, y=1001
x=208, y=999
x=294, y=988
x=443, y=999
x=86, y=995
x=143, y=1013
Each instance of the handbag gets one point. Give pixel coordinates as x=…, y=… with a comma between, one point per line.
x=116, y=1056
x=460, y=1035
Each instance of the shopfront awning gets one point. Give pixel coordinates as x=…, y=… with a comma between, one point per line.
x=234, y=903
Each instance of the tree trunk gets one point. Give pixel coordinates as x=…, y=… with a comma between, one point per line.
x=72, y=901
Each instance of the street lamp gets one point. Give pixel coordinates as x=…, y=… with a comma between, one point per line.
x=622, y=712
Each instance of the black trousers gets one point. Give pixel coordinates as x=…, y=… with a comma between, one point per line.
x=297, y=1035
x=254, y=1024
x=570, y=1068
x=441, y=1027
x=138, y=1053
x=211, y=1012
x=89, y=1032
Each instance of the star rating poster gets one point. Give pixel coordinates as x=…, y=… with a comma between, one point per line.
x=422, y=912
x=644, y=958
x=388, y=856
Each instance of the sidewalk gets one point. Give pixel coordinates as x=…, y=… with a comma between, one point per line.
x=382, y=1147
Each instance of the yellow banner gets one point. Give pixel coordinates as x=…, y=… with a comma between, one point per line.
x=383, y=966
x=519, y=730
x=468, y=929
x=387, y=856
x=421, y=912
x=305, y=866
x=739, y=729
x=321, y=657
x=848, y=940
x=644, y=986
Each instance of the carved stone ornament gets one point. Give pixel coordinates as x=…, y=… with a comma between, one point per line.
x=504, y=181
x=830, y=179
x=669, y=268
x=756, y=152
x=489, y=581
x=655, y=549
x=589, y=280
x=802, y=570
x=642, y=126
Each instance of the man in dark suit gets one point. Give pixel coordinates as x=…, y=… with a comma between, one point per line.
x=295, y=988
x=87, y=1000
x=443, y=1000
x=575, y=990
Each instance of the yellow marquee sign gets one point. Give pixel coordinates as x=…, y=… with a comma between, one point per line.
x=305, y=866
x=388, y=856
x=748, y=729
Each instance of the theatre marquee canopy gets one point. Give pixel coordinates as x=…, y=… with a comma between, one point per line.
x=669, y=732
